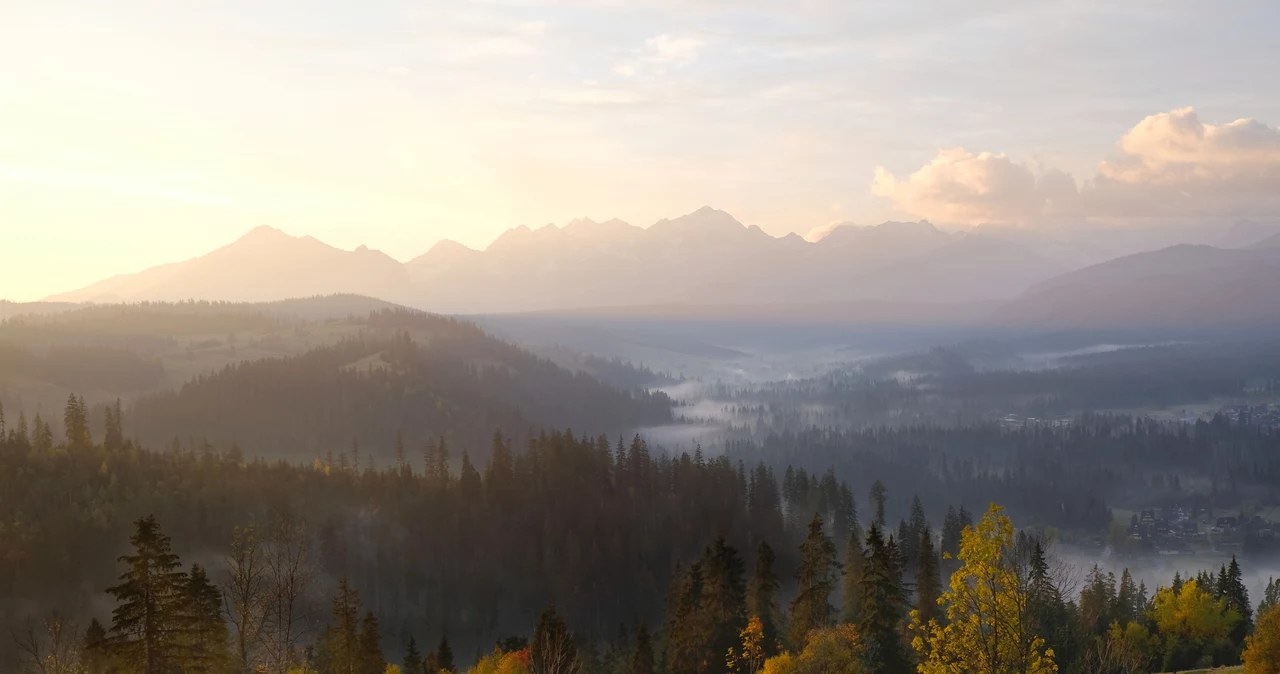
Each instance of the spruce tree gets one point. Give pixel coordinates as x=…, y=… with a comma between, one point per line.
x=114, y=437
x=1237, y=596
x=341, y=640
x=928, y=582
x=855, y=563
x=723, y=600
x=150, y=596
x=642, y=654
x=762, y=597
x=206, y=640
x=879, y=494
x=812, y=609
x=371, y=659
x=883, y=607
x=412, y=661
x=93, y=650
x=444, y=655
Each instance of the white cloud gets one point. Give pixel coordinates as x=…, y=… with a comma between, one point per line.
x=598, y=96
x=490, y=48
x=660, y=54
x=1169, y=164
x=960, y=187
x=532, y=28
x=1173, y=163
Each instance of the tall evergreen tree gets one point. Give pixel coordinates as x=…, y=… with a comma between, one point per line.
x=884, y=605
x=928, y=580
x=879, y=494
x=855, y=564
x=844, y=520
x=75, y=418
x=340, y=643
x=206, y=641
x=819, y=569
x=371, y=659
x=93, y=650
x=1237, y=596
x=114, y=437
x=150, y=596
x=723, y=598
x=444, y=655
x=412, y=661
x=642, y=653
x=762, y=597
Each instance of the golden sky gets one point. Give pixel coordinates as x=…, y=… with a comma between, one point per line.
x=139, y=132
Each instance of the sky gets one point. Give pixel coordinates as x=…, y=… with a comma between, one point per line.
x=134, y=133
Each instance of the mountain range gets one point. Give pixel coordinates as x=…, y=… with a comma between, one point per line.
x=708, y=258
x=703, y=257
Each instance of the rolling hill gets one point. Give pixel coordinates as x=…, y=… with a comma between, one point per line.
x=1182, y=286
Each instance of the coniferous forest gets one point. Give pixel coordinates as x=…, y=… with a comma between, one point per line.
x=567, y=554
x=408, y=495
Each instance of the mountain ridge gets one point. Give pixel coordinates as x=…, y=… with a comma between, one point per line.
x=700, y=258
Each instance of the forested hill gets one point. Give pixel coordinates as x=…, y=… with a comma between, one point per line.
x=378, y=393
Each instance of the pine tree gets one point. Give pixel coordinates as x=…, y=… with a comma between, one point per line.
x=412, y=662
x=1126, y=599
x=340, y=643
x=855, y=563
x=685, y=650
x=1237, y=596
x=444, y=655
x=41, y=436
x=1270, y=595
x=915, y=529
x=150, y=597
x=75, y=419
x=762, y=597
x=114, y=437
x=93, y=650
x=724, y=597
x=928, y=581
x=812, y=609
x=879, y=494
x=371, y=659
x=883, y=607
x=205, y=639
x=642, y=654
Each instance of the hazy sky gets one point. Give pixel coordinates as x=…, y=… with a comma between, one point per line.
x=134, y=133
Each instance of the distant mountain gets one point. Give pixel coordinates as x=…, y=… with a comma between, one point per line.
x=706, y=257
x=1180, y=286
x=1248, y=233
x=263, y=265
x=1272, y=241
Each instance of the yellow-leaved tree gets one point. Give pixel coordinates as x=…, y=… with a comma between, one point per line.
x=1262, y=648
x=1192, y=614
x=750, y=658
x=988, y=626
x=828, y=650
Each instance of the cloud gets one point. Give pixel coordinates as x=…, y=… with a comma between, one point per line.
x=960, y=187
x=1169, y=164
x=595, y=96
x=1173, y=163
x=660, y=54
x=492, y=48
x=823, y=231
